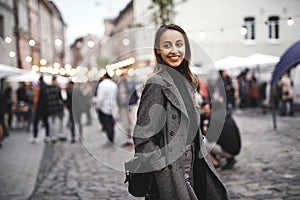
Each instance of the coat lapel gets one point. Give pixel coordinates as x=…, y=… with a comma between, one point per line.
x=172, y=94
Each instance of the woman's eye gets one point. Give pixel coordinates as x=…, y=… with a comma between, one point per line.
x=166, y=46
x=179, y=44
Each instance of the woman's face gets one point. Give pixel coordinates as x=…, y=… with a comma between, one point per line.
x=172, y=47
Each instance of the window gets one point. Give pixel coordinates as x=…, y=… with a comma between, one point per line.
x=1, y=26
x=249, y=24
x=273, y=26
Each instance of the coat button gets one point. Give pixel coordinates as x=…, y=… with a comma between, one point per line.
x=170, y=166
x=172, y=133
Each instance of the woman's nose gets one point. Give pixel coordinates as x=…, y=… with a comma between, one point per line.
x=174, y=49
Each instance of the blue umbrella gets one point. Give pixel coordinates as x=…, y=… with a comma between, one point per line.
x=287, y=61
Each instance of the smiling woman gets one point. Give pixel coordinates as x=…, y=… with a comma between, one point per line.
x=166, y=134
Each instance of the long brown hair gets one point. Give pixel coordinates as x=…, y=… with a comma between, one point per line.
x=186, y=62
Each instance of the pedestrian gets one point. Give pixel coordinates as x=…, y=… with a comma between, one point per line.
x=127, y=98
x=105, y=104
x=253, y=92
x=74, y=97
x=8, y=109
x=204, y=125
x=30, y=94
x=40, y=109
x=2, y=112
x=167, y=132
x=227, y=146
x=262, y=97
x=22, y=103
x=241, y=87
x=287, y=104
x=229, y=89
x=203, y=89
x=55, y=108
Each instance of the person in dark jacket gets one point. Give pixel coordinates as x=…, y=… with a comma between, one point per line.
x=228, y=145
x=9, y=104
x=40, y=107
x=55, y=107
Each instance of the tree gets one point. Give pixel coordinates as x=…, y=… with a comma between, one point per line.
x=163, y=10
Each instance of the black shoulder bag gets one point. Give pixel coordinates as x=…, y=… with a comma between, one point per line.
x=140, y=183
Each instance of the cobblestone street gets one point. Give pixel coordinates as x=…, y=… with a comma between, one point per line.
x=267, y=168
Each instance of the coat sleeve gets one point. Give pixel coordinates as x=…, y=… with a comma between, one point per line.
x=151, y=117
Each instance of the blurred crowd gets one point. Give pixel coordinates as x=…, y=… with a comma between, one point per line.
x=243, y=91
x=34, y=106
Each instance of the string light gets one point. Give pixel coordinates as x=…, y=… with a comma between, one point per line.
x=12, y=54
x=28, y=59
x=91, y=43
x=126, y=42
x=58, y=42
x=31, y=42
x=56, y=65
x=243, y=30
x=290, y=21
x=43, y=61
x=8, y=39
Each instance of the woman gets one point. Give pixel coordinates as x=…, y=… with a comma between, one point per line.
x=167, y=131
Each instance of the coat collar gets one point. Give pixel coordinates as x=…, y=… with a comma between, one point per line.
x=172, y=94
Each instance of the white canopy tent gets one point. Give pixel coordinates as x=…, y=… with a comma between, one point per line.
x=261, y=63
x=25, y=77
x=6, y=70
x=229, y=62
x=34, y=77
x=260, y=60
x=251, y=61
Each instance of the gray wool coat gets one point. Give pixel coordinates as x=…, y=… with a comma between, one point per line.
x=162, y=118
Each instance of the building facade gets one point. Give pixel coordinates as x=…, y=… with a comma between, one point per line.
x=8, y=42
x=241, y=27
x=119, y=42
x=37, y=31
x=268, y=26
x=85, y=51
